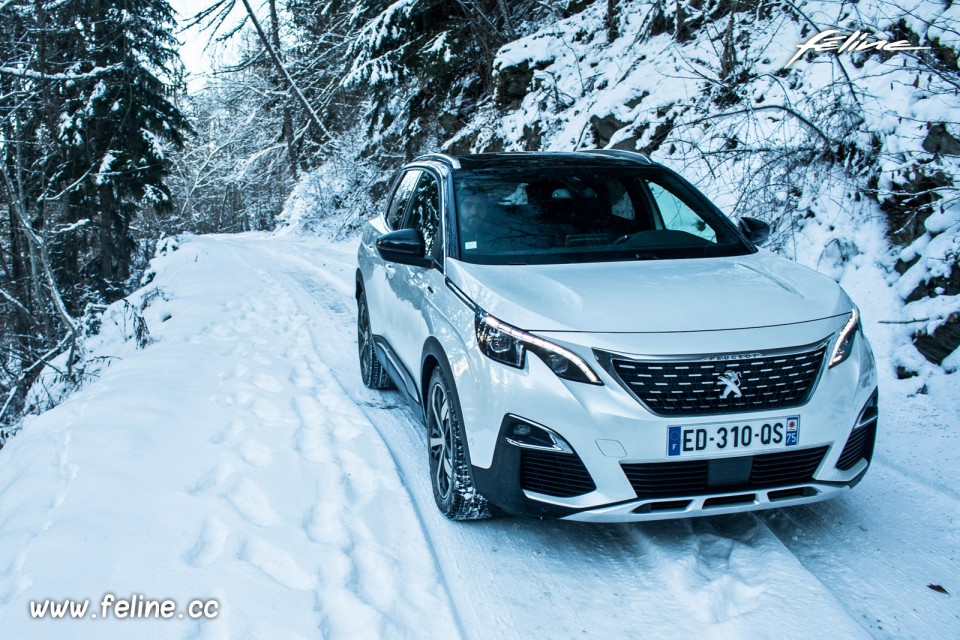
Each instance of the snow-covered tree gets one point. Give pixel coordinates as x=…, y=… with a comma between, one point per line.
x=115, y=129
x=88, y=115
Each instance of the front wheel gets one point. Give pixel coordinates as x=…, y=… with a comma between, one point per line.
x=453, y=488
x=371, y=369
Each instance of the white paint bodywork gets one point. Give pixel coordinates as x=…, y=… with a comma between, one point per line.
x=652, y=296
x=744, y=304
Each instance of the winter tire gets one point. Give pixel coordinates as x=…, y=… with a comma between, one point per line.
x=450, y=475
x=371, y=369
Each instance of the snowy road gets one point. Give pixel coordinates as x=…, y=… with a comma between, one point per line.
x=239, y=458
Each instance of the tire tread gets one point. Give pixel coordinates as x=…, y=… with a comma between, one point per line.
x=465, y=503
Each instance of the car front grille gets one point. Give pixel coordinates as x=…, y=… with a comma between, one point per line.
x=706, y=386
x=557, y=474
x=701, y=477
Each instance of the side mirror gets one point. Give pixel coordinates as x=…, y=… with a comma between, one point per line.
x=404, y=246
x=757, y=231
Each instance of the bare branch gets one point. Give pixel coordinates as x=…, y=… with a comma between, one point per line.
x=283, y=70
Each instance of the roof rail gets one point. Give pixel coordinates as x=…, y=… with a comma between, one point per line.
x=620, y=153
x=442, y=157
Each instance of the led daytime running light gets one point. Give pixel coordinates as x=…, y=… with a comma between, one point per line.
x=841, y=351
x=535, y=344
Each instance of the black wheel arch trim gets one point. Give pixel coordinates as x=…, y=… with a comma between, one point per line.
x=433, y=350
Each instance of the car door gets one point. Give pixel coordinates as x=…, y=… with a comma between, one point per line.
x=409, y=283
x=379, y=286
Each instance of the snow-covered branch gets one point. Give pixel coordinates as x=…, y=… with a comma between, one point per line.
x=37, y=75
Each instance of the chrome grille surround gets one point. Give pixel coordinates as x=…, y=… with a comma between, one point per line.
x=691, y=385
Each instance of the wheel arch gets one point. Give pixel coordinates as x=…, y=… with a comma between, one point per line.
x=434, y=356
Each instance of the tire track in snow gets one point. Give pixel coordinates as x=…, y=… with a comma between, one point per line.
x=190, y=486
x=287, y=501
x=917, y=479
x=357, y=560
x=514, y=577
x=877, y=542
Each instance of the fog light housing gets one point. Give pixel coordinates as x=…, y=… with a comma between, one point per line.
x=526, y=435
x=869, y=413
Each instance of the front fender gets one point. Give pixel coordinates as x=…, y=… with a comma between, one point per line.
x=451, y=344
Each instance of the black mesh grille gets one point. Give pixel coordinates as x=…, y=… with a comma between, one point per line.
x=787, y=467
x=859, y=445
x=691, y=477
x=667, y=479
x=695, y=388
x=861, y=441
x=554, y=474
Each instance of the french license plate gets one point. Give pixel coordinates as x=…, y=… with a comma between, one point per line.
x=726, y=437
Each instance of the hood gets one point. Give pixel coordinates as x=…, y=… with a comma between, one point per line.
x=652, y=296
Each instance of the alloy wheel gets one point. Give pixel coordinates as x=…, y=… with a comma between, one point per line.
x=441, y=441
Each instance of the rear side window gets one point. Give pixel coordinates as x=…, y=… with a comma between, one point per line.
x=621, y=205
x=398, y=203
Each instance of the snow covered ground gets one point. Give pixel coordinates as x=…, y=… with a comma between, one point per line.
x=238, y=458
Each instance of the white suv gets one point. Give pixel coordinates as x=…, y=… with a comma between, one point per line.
x=589, y=338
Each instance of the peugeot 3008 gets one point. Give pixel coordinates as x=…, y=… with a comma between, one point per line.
x=588, y=337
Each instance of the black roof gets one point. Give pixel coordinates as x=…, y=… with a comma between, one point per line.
x=526, y=159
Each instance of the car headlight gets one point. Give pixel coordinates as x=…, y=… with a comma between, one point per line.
x=506, y=344
x=844, y=345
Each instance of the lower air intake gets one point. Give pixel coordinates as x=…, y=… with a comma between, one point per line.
x=693, y=477
x=859, y=446
x=557, y=474
x=860, y=443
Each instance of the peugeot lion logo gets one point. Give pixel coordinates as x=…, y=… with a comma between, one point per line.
x=731, y=384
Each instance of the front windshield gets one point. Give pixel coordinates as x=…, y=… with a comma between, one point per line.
x=586, y=215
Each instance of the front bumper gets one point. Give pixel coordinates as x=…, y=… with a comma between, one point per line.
x=610, y=432
x=556, y=484
x=712, y=505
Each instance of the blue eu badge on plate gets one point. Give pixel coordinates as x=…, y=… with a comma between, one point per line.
x=673, y=441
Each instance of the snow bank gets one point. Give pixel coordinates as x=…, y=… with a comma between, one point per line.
x=814, y=149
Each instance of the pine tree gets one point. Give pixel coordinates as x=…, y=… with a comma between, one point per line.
x=117, y=127
x=88, y=117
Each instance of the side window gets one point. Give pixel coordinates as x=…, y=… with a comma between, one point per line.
x=677, y=216
x=620, y=204
x=398, y=203
x=425, y=214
